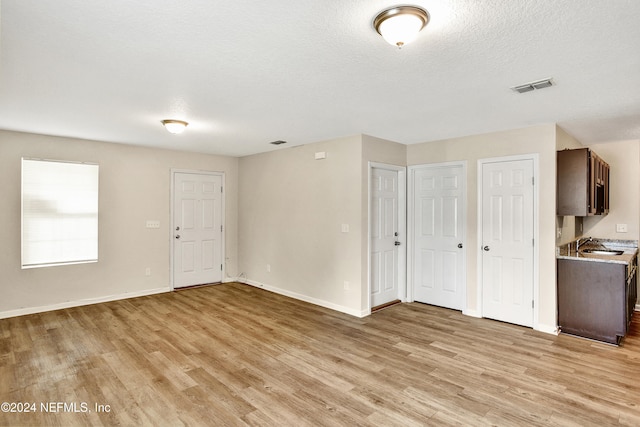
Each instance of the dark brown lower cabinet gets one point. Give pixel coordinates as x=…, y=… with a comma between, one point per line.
x=596, y=299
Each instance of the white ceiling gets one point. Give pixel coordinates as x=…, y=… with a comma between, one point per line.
x=245, y=73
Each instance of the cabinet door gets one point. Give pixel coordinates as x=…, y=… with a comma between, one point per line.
x=573, y=190
x=592, y=299
x=606, y=188
x=593, y=180
x=582, y=183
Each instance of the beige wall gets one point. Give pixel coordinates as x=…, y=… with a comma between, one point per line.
x=624, y=204
x=624, y=159
x=292, y=208
x=538, y=140
x=134, y=187
x=291, y=211
x=285, y=210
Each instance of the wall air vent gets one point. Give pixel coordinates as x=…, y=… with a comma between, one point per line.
x=278, y=142
x=528, y=87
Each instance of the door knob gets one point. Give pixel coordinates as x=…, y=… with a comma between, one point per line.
x=460, y=245
x=486, y=248
x=177, y=236
x=397, y=243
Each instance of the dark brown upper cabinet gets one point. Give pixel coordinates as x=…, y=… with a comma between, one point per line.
x=583, y=183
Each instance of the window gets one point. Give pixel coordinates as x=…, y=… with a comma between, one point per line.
x=59, y=213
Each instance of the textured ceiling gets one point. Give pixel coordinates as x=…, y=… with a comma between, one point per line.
x=245, y=73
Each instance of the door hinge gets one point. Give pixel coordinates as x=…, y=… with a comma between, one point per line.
x=222, y=189
x=533, y=242
x=532, y=304
x=533, y=180
x=220, y=267
x=221, y=228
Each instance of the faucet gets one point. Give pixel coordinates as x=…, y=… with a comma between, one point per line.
x=582, y=241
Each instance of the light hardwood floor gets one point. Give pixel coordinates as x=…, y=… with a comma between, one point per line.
x=232, y=354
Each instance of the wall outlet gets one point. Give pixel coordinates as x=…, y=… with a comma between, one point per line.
x=621, y=228
x=153, y=224
x=347, y=286
x=345, y=228
x=147, y=271
x=268, y=268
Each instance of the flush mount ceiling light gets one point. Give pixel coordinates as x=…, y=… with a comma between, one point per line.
x=401, y=24
x=528, y=87
x=175, y=126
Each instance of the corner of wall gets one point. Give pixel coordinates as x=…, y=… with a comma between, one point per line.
x=292, y=208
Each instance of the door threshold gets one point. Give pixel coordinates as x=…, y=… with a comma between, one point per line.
x=184, y=288
x=385, y=305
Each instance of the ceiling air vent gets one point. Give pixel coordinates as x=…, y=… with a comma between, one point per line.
x=540, y=84
x=278, y=142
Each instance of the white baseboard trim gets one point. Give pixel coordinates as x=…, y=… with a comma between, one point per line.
x=78, y=303
x=472, y=313
x=637, y=307
x=548, y=329
x=305, y=298
x=542, y=328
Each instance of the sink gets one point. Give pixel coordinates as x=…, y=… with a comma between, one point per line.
x=602, y=251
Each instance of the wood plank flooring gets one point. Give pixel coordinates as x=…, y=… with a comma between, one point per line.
x=234, y=355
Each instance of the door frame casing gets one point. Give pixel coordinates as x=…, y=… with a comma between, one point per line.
x=412, y=228
x=536, y=232
x=402, y=229
x=172, y=218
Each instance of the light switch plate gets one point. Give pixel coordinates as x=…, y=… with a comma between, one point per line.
x=153, y=224
x=345, y=228
x=621, y=228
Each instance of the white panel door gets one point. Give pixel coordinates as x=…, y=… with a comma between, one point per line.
x=197, y=229
x=438, y=250
x=507, y=241
x=384, y=235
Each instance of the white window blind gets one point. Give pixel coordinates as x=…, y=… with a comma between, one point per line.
x=59, y=213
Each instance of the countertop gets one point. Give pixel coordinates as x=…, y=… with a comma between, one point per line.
x=630, y=248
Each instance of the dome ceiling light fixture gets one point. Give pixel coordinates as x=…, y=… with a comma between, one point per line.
x=175, y=126
x=401, y=24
